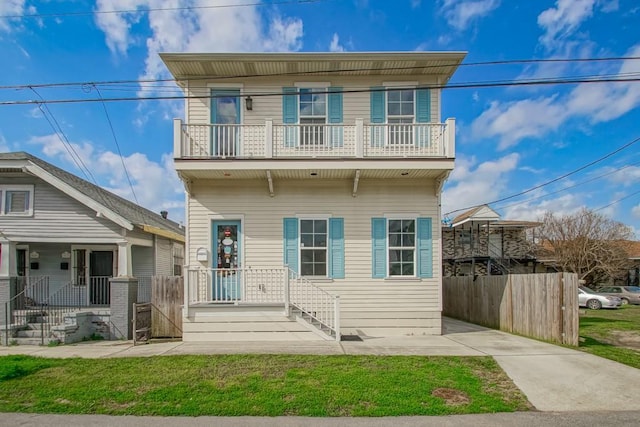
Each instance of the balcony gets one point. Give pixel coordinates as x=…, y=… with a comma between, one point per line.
x=314, y=141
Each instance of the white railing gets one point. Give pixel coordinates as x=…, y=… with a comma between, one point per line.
x=235, y=285
x=269, y=140
x=264, y=286
x=315, y=304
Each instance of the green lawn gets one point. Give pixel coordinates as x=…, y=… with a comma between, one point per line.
x=614, y=334
x=258, y=385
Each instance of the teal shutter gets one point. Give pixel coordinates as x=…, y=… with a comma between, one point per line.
x=423, y=115
x=290, y=244
x=336, y=248
x=378, y=248
x=377, y=115
x=424, y=248
x=290, y=115
x=335, y=116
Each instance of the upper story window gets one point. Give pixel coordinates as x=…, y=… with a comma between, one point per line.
x=16, y=200
x=400, y=113
x=313, y=115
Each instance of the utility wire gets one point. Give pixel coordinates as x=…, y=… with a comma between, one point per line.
x=573, y=172
x=522, y=202
x=154, y=9
x=302, y=73
x=386, y=89
x=57, y=129
x=115, y=138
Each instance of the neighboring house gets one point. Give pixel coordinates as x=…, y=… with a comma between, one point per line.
x=62, y=238
x=313, y=192
x=479, y=243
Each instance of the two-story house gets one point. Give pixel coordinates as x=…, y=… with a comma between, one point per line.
x=478, y=242
x=313, y=192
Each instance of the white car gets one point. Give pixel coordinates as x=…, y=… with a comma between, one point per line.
x=596, y=301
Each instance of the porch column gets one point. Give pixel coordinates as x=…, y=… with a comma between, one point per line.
x=124, y=260
x=268, y=139
x=7, y=269
x=177, y=139
x=360, y=138
x=124, y=293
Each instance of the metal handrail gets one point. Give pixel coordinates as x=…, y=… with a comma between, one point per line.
x=22, y=295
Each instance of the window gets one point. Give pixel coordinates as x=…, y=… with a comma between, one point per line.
x=80, y=267
x=402, y=239
x=314, y=247
x=313, y=116
x=400, y=115
x=178, y=259
x=401, y=247
x=16, y=200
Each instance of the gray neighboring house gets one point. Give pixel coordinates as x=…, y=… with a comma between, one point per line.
x=64, y=239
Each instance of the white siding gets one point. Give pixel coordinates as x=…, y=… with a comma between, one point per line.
x=56, y=215
x=374, y=305
x=355, y=104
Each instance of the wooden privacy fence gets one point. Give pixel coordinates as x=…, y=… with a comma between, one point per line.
x=543, y=306
x=167, y=298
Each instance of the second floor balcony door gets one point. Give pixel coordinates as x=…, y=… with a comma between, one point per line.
x=225, y=122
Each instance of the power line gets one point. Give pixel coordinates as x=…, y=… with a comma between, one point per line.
x=529, y=190
x=57, y=129
x=593, y=79
x=303, y=73
x=154, y=9
x=522, y=202
x=113, y=133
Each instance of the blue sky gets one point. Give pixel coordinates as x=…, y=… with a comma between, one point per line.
x=509, y=139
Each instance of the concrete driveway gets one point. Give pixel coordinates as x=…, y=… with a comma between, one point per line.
x=553, y=378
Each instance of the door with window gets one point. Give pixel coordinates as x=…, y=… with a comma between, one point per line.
x=226, y=283
x=100, y=271
x=225, y=122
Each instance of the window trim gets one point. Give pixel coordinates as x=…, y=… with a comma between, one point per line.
x=326, y=248
x=5, y=189
x=414, y=248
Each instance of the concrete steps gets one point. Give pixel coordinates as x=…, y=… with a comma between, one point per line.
x=236, y=323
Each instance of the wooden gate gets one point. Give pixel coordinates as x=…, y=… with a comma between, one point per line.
x=141, y=322
x=167, y=298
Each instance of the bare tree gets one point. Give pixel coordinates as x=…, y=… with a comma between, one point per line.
x=586, y=243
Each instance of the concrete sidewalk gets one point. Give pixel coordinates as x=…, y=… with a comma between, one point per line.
x=553, y=378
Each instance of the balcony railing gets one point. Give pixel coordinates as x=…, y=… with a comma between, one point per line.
x=273, y=141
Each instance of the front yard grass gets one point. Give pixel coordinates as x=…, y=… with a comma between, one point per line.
x=258, y=385
x=613, y=334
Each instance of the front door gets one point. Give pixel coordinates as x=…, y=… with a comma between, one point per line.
x=225, y=122
x=227, y=260
x=100, y=270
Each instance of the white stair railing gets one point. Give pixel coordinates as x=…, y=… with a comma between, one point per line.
x=317, y=306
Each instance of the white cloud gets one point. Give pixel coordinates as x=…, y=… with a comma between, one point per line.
x=335, y=45
x=636, y=211
x=12, y=8
x=512, y=121
x=4, y=145
x=156, y=184
x=416, y=3
x=460, y=13
x=562, y=21
x=240, y=28
x=532, y=211
x=469, y=186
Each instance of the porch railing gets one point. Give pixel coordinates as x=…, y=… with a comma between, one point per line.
x=235, y=285
x=357, y=140
x=264, y=286
x=314, y=303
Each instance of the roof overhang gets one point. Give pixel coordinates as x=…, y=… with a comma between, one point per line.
x=184, y=66
x=163, y=233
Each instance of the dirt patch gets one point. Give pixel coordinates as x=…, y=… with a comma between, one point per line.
x=626, y=339
x=451, y=397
